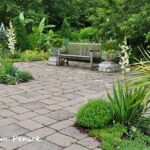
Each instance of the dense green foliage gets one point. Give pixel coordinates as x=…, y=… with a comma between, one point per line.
x=124, y=130
x=115, y=137
x=30, y=55
x=95, y=114
x=24, y=76
x=9, y=9
x=65, y=29
x=23, y=42
x=9, y=74
x=88, y=33
x=142, y=73
x=96, y=20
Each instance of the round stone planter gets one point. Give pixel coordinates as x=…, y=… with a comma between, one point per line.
x=108, y=66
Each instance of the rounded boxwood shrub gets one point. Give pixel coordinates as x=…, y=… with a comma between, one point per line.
x=94, y=114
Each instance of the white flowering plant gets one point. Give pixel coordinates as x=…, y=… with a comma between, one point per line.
x=11, y=37
x=124, y=56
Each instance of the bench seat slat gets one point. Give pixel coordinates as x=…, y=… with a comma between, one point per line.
x=74, y=57
x=65, y=55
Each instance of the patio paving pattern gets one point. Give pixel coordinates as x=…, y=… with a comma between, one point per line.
x=46, y=107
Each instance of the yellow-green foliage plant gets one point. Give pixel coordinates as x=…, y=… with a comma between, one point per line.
x=34, y=55
x=141, y=76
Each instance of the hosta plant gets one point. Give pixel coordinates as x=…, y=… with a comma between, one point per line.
x=127, y=104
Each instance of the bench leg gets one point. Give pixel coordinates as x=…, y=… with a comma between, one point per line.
x=58, y=60
x=67, y=62
x=91, y=60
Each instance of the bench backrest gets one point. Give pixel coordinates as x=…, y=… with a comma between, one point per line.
x=82, y=49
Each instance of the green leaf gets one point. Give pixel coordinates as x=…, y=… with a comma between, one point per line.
x=42, y=25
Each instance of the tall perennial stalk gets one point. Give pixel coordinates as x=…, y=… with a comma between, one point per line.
x=11, y=37
x=124, y=58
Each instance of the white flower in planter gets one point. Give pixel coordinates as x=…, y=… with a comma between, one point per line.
x=11, y=37
x=124, y=58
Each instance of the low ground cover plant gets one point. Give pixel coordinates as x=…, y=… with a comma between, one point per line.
x=95, y=114
x=9, y=74
x=117, y=137
x=28, y=55
x=33, y=55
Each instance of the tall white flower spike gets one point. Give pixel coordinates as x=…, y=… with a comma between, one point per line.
x=124, y=58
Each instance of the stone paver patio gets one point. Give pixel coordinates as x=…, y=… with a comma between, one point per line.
x=46, y=107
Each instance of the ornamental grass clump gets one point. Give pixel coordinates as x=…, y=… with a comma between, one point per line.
x=127, y=104
x=94, y=114
x=142, y=73
x=9, y=74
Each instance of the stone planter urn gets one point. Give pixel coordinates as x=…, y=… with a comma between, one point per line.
x=53, y=60
x=108, y=64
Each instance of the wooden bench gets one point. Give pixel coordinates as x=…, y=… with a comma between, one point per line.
x=80, y=52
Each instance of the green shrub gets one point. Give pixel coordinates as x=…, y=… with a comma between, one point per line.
x=15, y=55
x=88, y=33
x=65, y=29
x=57, y=42
x=10, y=74
x=110, y=45
x=33, y=55
x=127, y=104
x=75, y=36
x=23, y=42
x=94, y=114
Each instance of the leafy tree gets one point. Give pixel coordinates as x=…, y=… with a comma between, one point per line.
x=57, y=10
x=113, y=19
x=12, y=8
x=119, y=18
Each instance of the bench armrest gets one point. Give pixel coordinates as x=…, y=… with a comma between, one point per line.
x=61, y=51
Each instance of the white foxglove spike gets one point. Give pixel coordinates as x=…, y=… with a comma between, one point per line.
x=124, y=58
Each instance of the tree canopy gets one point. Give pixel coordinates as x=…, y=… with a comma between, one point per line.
x=113, y=19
